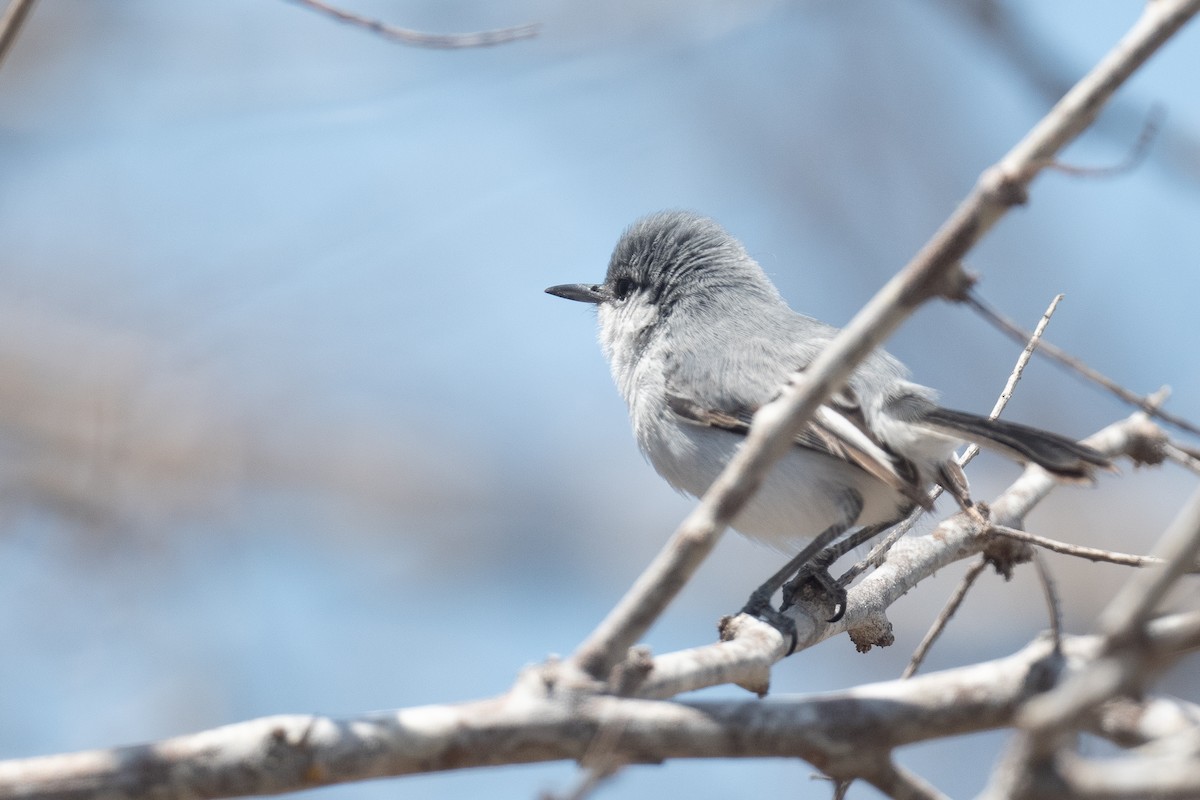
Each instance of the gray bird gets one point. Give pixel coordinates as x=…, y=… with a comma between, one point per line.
x=698, y=338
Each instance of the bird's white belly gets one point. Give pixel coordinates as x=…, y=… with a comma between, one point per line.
x=801, y=496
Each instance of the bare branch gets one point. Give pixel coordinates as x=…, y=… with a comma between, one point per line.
x=553, y=713
x=1036, y=58
x=1133, y=159
x=1081, y=551
x=408, y=36
x=1182, y=456
x=748, y=649
x=1053, y=606
x=1119, y=779
x=948, y=611
x=1135, y=723
x=1023, y=360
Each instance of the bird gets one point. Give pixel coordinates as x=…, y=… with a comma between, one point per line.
x=698, y=338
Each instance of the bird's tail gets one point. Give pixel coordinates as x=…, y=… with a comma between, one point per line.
x=1067, y=460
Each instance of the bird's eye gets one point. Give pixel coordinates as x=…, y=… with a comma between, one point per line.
x=622, y=288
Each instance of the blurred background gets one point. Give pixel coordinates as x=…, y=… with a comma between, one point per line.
x=288, y=425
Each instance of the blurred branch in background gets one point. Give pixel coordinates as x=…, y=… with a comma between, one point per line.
x=107, y=427
x=446, y=41
x=1051, y=75
x=10, y=24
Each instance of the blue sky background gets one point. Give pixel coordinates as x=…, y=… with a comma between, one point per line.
x=289, y=425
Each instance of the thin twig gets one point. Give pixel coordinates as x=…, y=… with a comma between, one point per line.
x=408, y=36
x=1053, y=606
x=1080, y=551
x=948, y=611
x=1071, y=362
x=10, y=24
x=1136, y=155
x=1033, y=340
x=1023, y=360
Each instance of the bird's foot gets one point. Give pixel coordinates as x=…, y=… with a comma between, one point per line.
x=759, y=606
x=812, y=582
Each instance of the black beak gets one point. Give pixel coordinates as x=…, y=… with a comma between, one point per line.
x=581, y=292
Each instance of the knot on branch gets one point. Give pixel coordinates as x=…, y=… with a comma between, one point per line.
x=874, y=631
x=1004, y=187
x=632, y=672
x=955, y=285
x=1004, y=554
x=1147, y=444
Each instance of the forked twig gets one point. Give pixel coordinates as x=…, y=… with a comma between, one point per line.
x=445, y=41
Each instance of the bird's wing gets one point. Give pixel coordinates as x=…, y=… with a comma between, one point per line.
x=838, y=429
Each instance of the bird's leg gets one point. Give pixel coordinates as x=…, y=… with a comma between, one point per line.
x=759, y=604
x=954, y=481
x=817, y=570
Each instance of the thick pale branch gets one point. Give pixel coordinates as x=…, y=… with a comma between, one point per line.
x=1133, y=723
x=1127, y=664
x=935, y=271
x=1161, y=778
x=553, y=713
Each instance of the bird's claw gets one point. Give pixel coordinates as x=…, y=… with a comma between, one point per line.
x=810, y=581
